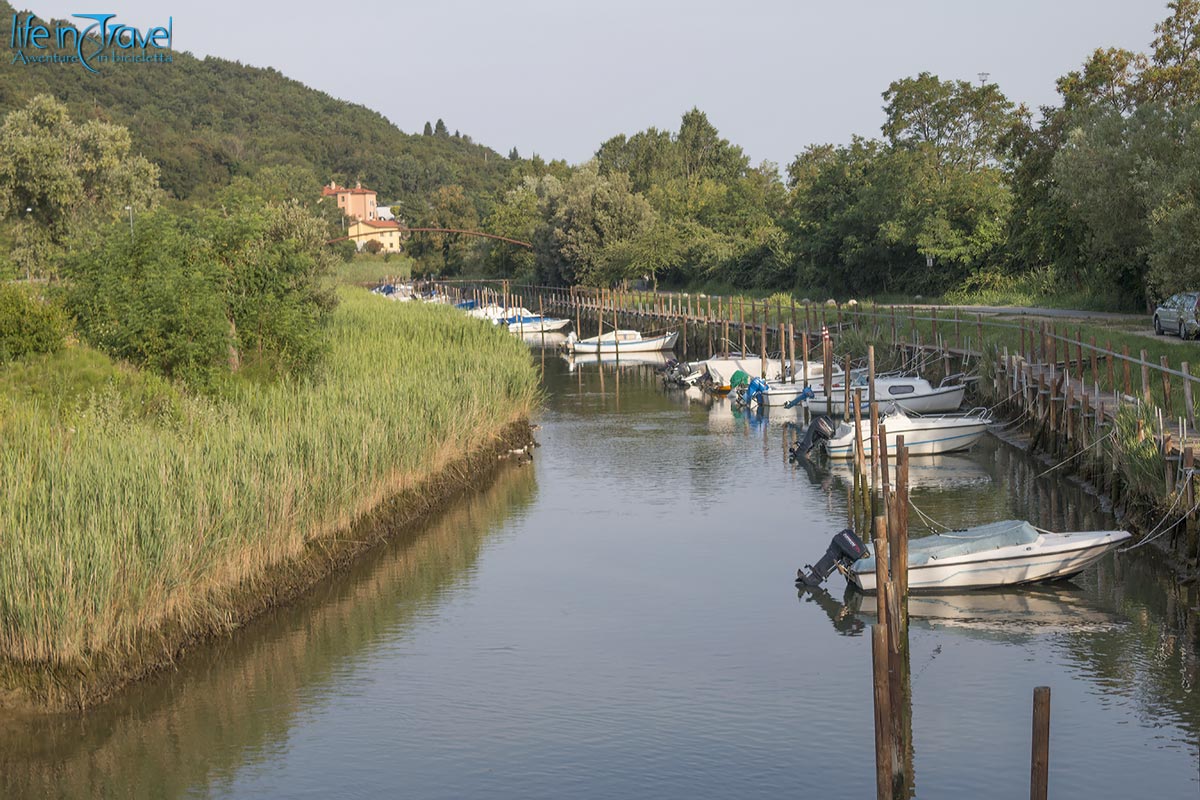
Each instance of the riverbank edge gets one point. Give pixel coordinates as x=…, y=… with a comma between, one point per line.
x=27, y=689
x=1130, y=517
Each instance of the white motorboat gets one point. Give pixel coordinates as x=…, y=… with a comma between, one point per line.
x=622, y=341
x=999, y=554
x=923, y=435
x=910, y=393
x=722, y=370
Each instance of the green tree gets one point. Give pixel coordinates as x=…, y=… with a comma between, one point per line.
x=440, y=131
x=518, y=216
x=59, y=179
x=155, y=300
x=273, y=268
x=961, y=123
x=428, y=129
x=449, y=207
x=592, y=213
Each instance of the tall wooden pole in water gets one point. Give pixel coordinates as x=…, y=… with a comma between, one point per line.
x=1039, y=765
x=827, y=357
x=792, y=351
x=616, y=340
x=846, y=392
x=725, y=315
x=742, y=322
x=763, y=342
x=883, y=712
x=860, y=458
x=804, y=355
x=874, y=412
x=900, y=543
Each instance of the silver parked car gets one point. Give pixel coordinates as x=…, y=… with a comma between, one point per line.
x=1177, y=315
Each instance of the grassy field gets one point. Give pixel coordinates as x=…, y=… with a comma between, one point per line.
x=135, y=514
x=366, y=268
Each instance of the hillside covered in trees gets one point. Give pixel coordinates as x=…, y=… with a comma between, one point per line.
x=962, y=193
x=204, y=122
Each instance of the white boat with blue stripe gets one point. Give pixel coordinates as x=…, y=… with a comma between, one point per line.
x=923, y=435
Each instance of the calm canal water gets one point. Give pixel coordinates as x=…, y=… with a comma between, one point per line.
x=618, y=620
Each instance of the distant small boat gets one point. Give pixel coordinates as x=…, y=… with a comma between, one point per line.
x=622, y=341
x=1007, y=553
x=769, y=393
x=494, y=313
x=923, y=435
x=1000, y=554
x=891, y=392
x=721, y=371
x=535, y=324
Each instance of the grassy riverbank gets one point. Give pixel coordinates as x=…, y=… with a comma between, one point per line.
x=129, y=529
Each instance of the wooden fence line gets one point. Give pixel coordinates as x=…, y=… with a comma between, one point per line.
x=1041, y=341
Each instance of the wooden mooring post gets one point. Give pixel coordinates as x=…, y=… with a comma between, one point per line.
x=883, y=711
x=1039, y=762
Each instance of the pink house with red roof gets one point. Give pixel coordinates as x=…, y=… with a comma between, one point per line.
x=358, y=202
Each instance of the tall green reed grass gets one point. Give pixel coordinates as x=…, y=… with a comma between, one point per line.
x=116, y=526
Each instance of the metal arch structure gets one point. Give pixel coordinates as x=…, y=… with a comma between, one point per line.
x=517, y=242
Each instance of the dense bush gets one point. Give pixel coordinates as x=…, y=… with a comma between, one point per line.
x=28, y=324
x=154, y=300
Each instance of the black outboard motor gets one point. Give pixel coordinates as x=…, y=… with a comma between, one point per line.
x=819, y=429
x=844, y=550
x=675, y=373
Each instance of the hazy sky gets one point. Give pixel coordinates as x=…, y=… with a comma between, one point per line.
x=558, y=78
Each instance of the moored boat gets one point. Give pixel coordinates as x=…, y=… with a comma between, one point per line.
x=622, y=341
x=1007, y=553
x=999, y=554
x=891, y=392
x=534, y=324
x=923, y=435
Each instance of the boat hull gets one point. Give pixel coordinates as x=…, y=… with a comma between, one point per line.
x=1052, y=557
x=780, y=394
x=940, y=400
x=928, y=441
x=611, y=347
x=539, y=326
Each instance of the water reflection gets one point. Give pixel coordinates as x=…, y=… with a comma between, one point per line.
x=235, y=703
x=633, y=633
x=1010, y=615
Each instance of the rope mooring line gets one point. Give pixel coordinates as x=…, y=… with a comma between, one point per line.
x=1069, y=458
x=928, y=519
x=1155, y=532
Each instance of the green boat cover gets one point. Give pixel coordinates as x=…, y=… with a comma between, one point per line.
x=739, y=378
